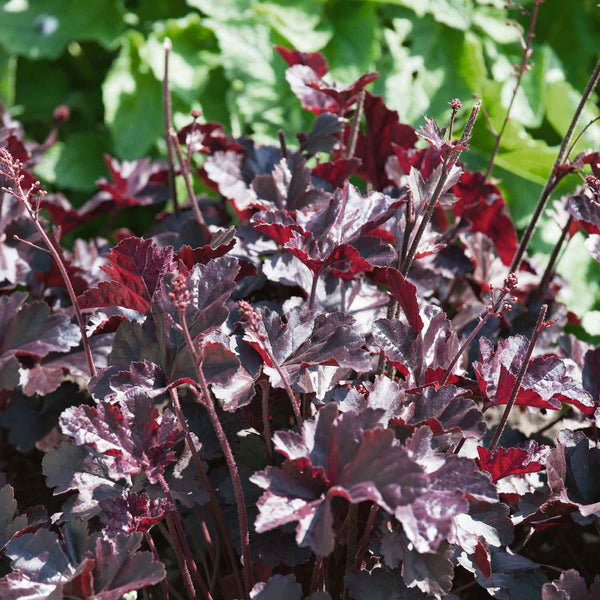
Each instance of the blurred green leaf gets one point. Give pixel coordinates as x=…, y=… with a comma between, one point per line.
x=8, y=68
x=576, y=267
x=454, y=13
x=563, y=100
x=492, y=22
x=42, y=28
x=132, y=101
x=223, y=9
x=35, y=75
x=190, y=64
x=76, y=163
x=298, y=21
x=352, y=48
x=248, y=57
x=426, y=75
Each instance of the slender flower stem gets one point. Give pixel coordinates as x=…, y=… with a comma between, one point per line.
x=215, y=507
x=206, y=534
x=482, y=321
x=296, y=405
x=450, y=159
x=185, y=572
x=313, y=290
x=265, y=388
x=188, y=182
x=580, y=134
x=253, y=320
x=408, y=225
x=351, y=149
x=237, y=488
x=207, y=402
x=316, y=575
x=181, y=538
x=513, y=396
x=166, y=96
x=14, y=169
x=553, y=178
x=352, y=531
x=163, y=583
x=282, y=143
x=364, y=540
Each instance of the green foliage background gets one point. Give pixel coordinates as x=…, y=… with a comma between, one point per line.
x=104, y=58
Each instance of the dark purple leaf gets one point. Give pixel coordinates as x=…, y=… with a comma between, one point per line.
x=321, y=236
x=131, y=432
x=346, y=455
x=335, y=173
x=546, y=383
x=405, y=293
x=571, y=586
x=307, y=339
x=233, y=172
x=136, y=267
x=76, y=468
x=209, y=286
x=278, y=587
x=30, y=419
x=483, y=206
x=132, y=512
x=430, y=572
x=570, y=467
x=381, y=584
x=512, y=461
x=423, y=188
x=133, y=183
x=383, y=128
x=324, y=135
x=288, y=186
x=586, y=212
x=315, y=60
x=119, y=568
x=112, y=568
x=591, y=373
x=412, y=353
x=32, y=330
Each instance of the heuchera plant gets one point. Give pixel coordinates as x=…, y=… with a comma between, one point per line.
x=342, y=378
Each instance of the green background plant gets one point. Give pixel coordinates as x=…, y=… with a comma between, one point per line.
x=104, y=59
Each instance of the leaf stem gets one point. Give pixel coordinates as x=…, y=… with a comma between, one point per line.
x=316, y=575
x=185, y=573
x=282, y=143
x=163, y=583
x=181, y=539
x=313, y=290
x=482, y=321
x=351, y=149
x=14, y=167
x=554, y=178
x=450, y=158
x=206, y=400
x=188, y=182
x=513, y=395
x=264, y=389
x=364, y=540
x=166, y=97
x=215, y=507
x=352, y=531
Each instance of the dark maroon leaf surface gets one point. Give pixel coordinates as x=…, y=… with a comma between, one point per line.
x=131, y=432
